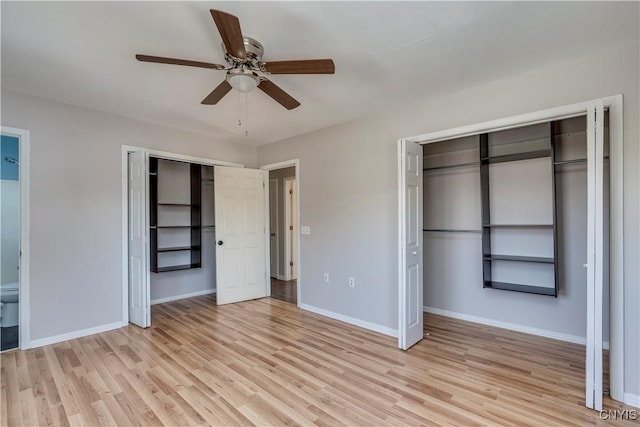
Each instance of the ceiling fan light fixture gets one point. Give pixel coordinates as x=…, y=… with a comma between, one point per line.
x=243, y=81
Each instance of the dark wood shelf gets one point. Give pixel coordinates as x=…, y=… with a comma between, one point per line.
x=175, y=204
x=177, y=226
x=179, y=249
x=518, y=225
x=177, y=267
x=527, y=155
x=539, y=290
x=544, y=260
x=488, y=257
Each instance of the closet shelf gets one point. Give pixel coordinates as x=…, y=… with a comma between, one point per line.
x=540, y=290
x=443, y=230
x=571, y=161
x=177, y=226
x=518, y=225
x=177, y=204
x=517, y=156
x=179, y=249
x=177, y=267
x=495, y=257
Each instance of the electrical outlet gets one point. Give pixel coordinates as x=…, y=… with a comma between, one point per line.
x=352, y=282
x=326, y=277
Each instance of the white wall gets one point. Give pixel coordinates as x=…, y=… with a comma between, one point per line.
x=76, y=206
x=348, y=183
x=10, y=192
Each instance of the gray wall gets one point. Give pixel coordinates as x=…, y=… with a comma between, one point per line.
x=348, y=184
x=280, y=175
x=76, y=205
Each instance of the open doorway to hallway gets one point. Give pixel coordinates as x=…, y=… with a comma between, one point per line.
x=283, y=245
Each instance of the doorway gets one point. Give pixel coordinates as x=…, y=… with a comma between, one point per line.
x=14, y=249
x=282, y=200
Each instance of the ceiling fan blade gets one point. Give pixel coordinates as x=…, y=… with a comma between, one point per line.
x=229, y=28
x=162, y=60
x=282, y=97
x=306, y=66
x=217, y=94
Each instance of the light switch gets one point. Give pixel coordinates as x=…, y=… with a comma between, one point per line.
x=305, y=229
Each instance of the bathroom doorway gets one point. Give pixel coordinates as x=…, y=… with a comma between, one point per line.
x=10, y=247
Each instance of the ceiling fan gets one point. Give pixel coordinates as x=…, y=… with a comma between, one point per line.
x=246, y=68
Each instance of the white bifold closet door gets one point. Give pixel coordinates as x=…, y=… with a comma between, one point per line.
x=240, y=234
x=595, y=254
x=139, y=292
x=410, y=322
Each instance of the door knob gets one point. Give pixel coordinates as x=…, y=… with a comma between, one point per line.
x=220, y=242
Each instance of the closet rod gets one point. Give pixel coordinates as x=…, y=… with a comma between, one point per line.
x=567, y=162
x=459, y=165
x=442, y=230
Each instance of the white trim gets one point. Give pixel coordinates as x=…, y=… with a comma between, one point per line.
x=280, y=277
x=183, y=296
x=632, y=399
x=281, y=165
x=616, y=218
x=351, y=320
x=125, y=207
x=76, y=334
x=24, y=171
x=575, y=339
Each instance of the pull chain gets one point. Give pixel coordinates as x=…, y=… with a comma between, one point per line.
x=246, y=114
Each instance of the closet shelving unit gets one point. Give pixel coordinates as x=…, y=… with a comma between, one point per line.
x=192, y=230
x=488, y=256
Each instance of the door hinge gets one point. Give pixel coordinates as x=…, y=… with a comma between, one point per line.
x=290, y=191
x=291, y=263
x=291, y=227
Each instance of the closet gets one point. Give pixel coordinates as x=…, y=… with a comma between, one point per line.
x=505, y=220
x=181, y=229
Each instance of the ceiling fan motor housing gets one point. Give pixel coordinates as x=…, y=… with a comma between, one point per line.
x=254, y=50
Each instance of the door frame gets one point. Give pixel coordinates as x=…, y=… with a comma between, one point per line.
x=616, y=218
x=125, y=208
x=267, y=168
x=24, y=174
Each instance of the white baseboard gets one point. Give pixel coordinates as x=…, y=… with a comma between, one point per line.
x=75, y=334
x=182, y=296
x=351, y=320
x=632, y=399
x=511, y=326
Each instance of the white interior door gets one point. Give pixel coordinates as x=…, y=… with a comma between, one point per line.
x=595, y=254
x=273, y=227
x=240, y=234
x=139, y=310
x=410, y=323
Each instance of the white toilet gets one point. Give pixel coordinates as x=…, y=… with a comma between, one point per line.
x=9, y=297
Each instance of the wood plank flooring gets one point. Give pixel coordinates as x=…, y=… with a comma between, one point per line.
x=265, y=362
x=284, y=290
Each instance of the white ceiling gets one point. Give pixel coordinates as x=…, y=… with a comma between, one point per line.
x=82, y=53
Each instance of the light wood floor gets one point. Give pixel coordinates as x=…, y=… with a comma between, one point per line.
x=265, y=362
